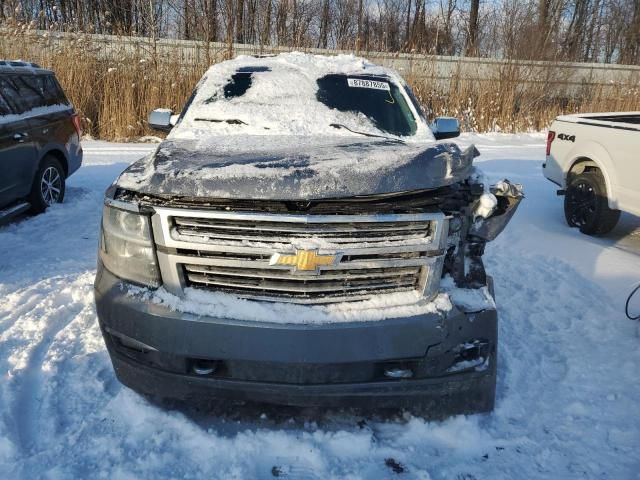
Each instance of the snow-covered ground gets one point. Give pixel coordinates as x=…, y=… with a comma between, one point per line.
x=568, y=394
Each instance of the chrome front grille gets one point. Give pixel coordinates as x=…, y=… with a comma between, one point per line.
x=232, y=252
x=204, y=230
x=328, y=284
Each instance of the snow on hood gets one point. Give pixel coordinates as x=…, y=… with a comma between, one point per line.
x=281, y=145
x=295, y=168
x=282, y=99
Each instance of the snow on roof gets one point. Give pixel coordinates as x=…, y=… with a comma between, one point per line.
x=34, y=112
x=19, y=66
x=282, y=98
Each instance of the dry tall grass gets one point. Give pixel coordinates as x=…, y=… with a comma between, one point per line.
x=113, y=95
x=520, y=100
x=114, y=92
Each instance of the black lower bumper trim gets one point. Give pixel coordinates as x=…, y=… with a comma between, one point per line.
x=470, y=392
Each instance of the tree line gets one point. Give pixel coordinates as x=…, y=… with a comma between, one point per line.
x=568, y=30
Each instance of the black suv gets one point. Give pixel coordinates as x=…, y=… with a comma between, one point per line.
x=304, y=240
x=39, y=139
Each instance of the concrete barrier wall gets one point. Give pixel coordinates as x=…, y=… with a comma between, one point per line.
x=440, y=69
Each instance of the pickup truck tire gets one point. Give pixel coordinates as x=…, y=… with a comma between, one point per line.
x=586, y=205
x=48, y=185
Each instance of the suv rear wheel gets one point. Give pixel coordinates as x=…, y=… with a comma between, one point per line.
x=48, y=185
x=586, y=205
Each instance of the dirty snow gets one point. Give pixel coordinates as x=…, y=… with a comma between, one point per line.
x=568, y=390
x=467, y=299
x=221, y=305
x=292, y=167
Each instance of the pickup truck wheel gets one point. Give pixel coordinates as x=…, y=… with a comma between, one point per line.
x=48, y=185
x=586, y=205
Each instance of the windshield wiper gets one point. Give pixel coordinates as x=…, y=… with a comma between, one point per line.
x=340, y=125
x=230, y=121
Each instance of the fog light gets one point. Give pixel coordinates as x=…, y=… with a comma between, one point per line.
x=204, y=367
x=398, y=373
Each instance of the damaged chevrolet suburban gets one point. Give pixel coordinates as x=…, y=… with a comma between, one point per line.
x=302, y=237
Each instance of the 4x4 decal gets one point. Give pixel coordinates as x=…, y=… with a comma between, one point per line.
x=564, y=136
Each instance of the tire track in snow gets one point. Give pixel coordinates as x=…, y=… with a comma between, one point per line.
x=26, y=344
x=21, y=303
x=556, y=340
x=83, y=378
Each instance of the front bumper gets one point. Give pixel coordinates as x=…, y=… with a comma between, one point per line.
x=155, y=351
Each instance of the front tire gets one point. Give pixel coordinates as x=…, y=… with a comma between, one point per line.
x=586, y=205
x=48, y=185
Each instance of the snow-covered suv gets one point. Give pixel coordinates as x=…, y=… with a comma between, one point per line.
x=39, y=139
x=301, y=237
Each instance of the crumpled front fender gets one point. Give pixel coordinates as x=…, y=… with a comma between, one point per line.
x=509, y=195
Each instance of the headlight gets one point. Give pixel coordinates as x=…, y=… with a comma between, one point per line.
x=126, y=247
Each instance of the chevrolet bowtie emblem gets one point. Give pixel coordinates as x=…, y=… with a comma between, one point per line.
x=304, y=260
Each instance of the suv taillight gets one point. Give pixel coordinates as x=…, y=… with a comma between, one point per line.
x=550, y=138
x=75, y=119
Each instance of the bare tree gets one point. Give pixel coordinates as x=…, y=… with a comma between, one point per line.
x=323, y=35
x=572, y=30
x=444, y=45
x=630, y=50
x=359, y=34
x=472, y=33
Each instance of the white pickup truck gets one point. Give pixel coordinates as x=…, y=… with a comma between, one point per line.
x=595, y=159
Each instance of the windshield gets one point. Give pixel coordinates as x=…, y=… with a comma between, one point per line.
x=285, y=100
x=378, y=99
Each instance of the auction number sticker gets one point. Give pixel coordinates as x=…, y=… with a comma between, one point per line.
x=360, y=83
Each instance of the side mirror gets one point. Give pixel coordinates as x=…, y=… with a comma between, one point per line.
x=445, y=127
x=161, y=119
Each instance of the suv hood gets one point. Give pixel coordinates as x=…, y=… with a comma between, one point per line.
x=295, y=168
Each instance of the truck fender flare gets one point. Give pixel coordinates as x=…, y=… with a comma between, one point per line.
x=595, y=153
